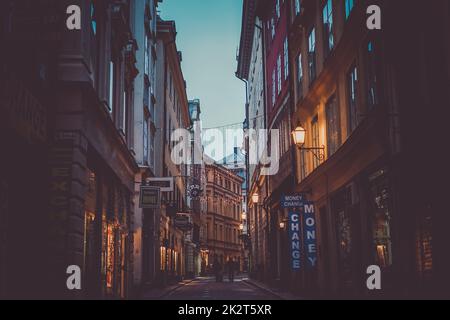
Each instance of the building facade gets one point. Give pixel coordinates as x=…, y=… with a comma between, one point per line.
x=172, y=100
x=83, y=82
x=145, y=120
x=196, y=195
x=351, y=93
x=224, y=220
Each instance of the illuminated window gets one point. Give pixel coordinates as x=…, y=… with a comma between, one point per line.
x=381, y=218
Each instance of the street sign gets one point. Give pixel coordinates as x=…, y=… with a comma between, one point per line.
x=150, y=198
x=310, y=235
x=164, y=184
x=292, y=201
x=295, y=240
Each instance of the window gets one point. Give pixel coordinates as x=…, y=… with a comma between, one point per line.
x=124, y=115
x=277, y=9
x=348, y=7
x=146, y=142
x=93, y=19
x=303, y=169
x=333, y=126
x=273, y=88
x=152, y=151
x=299, y=77
x=381, y=218
x=146, y=56
x=286, y=59
x=279, y=74
x=315, y=139
x=111, y=86
x=372, y=81
x=272, y=26
x=328, y=27
x=352, y=98
x=312, y=55
x=297, y=7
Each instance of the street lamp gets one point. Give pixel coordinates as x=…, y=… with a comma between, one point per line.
x=255, y=198
x=282, y=225
x=299, y=137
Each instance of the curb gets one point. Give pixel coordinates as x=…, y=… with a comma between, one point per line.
x=252, y=283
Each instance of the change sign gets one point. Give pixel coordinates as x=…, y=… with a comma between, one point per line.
x=310, y=235
x=295, y=239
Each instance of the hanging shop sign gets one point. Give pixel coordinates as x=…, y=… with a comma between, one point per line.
x=295, y=239
x=195, y=190
x=150, y=198
x=183, y=221
x=164, y=184
x=292, y=201
x=310, y=235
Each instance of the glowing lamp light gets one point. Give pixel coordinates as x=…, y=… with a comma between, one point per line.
x=255, y=198
x=299, y=136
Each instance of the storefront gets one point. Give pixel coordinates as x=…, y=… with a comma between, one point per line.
x=107, y=243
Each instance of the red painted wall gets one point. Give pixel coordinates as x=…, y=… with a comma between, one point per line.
x=274, y=48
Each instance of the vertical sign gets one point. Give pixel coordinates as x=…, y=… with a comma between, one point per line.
x=295, y=239
x=310, y=235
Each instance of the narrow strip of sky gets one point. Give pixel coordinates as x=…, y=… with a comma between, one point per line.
x=208, y=36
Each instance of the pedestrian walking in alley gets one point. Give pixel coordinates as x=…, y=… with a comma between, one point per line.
x=231, y=269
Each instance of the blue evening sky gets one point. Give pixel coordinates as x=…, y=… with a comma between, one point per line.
x=208, y=36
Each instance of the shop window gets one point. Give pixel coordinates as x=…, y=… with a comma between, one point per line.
x=110, y=256
x=381, y=218
x=424, y=247
x=346, y=222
